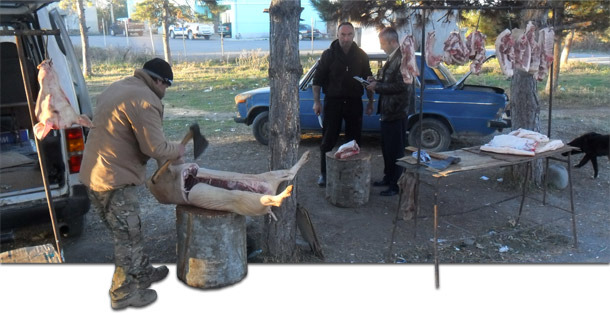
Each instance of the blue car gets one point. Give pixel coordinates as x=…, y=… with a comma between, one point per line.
x=450, y=108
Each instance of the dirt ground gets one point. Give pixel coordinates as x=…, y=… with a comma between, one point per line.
x=474, y=227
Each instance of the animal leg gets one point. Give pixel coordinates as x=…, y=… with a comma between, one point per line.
x=595, y=168
x=276, y=201
x=584, y=161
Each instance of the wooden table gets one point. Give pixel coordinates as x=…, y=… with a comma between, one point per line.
x=473, y=158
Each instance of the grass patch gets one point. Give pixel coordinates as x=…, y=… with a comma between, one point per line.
x=211, y=85
x=581, y=85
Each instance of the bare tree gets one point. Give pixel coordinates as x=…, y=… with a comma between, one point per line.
x=284, y=129
x=525, y=106
x=84, y=37
x=164, y=24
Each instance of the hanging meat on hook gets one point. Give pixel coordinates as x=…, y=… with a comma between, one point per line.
x=408, y=64
x=53, y=109
x=456, y=50
x=530, y=34
x=522, y=47
x=245, y=194
x=546, y=38
x=505, y=52
x=476, y=45
x=432, y=59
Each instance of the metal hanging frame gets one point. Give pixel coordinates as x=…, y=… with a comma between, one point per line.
x=424, y=9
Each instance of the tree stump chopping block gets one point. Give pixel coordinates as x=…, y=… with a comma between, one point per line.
x=211, y=247
x=348, y=180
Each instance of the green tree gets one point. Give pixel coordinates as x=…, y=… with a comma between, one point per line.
x=108, y=10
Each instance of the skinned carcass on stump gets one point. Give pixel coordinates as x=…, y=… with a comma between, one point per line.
x=408, y=64
x=245, y=194
x=53, y=109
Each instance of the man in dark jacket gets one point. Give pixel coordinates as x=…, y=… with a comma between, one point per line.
x=395, y=104
x=342, y=93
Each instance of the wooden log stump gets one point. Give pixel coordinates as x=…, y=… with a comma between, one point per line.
x=348, y=180
x=211, y=247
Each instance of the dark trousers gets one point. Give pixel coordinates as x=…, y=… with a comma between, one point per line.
x=393, y=141
x=335, y=112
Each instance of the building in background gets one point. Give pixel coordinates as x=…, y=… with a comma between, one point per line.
x=71, y=18
x=247, y=17
x=250, y=20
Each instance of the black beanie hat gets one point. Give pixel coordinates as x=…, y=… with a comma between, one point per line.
x=160, y=69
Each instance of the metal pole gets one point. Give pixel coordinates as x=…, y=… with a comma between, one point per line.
x=45, y=178
x=551, y=83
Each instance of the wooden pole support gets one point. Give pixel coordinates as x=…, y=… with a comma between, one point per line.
x=348, y=180
x=211, y=247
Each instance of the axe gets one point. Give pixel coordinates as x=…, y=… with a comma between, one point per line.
x=199, y=145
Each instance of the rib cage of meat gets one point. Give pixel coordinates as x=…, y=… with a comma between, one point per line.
x=408, y=64
x=476, y=44
x=505, y=52
x=432, y=59
x=455, y=51
x=530, y=34
x=546, y=38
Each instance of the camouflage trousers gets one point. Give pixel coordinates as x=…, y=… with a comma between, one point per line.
x=120, y=212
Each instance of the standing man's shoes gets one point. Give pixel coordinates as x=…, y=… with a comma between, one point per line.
x=380, y=183
x=136, y=299
x=391, y=191
x=322, y=181
x=158, y=274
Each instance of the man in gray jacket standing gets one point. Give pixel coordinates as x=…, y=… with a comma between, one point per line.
x=128, y=131
x=395, y=104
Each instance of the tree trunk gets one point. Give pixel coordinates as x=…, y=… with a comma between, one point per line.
x=565, y=53
x=164, y=23
x=284, y=130
x=84, y=38
x=525, y=106
x=559, y=35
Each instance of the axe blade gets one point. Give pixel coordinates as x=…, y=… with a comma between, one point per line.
x=200, y=143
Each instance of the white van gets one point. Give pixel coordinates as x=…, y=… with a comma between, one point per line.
x=22, y=195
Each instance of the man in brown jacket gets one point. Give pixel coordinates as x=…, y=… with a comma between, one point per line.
x=128, y=131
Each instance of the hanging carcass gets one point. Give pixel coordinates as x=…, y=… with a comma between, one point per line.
x=505, y=52
x=408, y=64
x=53, y=109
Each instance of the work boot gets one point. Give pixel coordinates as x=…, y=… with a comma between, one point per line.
x=322, y=180
x=158, y=274
x=136, y=299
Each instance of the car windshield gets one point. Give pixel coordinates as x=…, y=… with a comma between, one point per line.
x=444, y=75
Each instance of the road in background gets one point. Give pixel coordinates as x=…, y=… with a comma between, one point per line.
x=199, y=48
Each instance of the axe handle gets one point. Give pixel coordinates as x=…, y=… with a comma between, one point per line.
x=165, y=165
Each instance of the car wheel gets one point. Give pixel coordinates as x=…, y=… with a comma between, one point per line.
x=112, y=32
x=260, y=127
x=190, y=35
x=207, y=37
x=436, y=136
x=72, y=226
x=172, y=35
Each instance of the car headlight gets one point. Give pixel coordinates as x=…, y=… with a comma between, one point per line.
x=241, y=98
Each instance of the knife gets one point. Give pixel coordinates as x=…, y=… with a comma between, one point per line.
x=320, y=121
